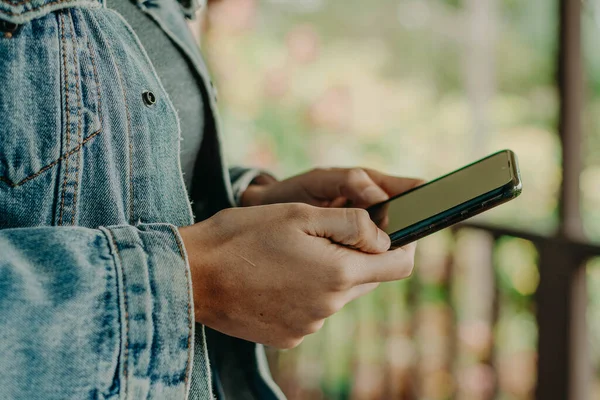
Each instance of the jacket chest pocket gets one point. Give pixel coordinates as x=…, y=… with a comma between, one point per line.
x=49, y=108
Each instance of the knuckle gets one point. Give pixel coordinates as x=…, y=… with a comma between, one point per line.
x=315, y=327
x=223, y=218
x=361, y=222
x=408, y=267
x=309, y=327
x=411, y=249
x=299, y=211
x=374, y=286
x=362, y=216
x=340, y=279
x=355, y=175
x=322, y=310
x=289, y=343
x=221, y=215
x=405, y=262
x=332, y=308
x=365, y=225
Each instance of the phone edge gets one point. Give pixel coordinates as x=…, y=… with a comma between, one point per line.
x=464, y=211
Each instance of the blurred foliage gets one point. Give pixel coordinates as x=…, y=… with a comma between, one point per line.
x=590, y=178
x=415, y=88
x=412, y=87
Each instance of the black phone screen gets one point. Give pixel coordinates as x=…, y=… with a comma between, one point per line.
x=447, y=192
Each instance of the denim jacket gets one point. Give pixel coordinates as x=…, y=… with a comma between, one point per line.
x=95, y=292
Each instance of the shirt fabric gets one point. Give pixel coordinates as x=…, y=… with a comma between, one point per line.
x=95, y=289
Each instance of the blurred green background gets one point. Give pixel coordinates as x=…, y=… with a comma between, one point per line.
x=414, y=88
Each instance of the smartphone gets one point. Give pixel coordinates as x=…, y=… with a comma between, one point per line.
x=461, y=194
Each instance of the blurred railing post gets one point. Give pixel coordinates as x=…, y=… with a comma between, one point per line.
x=563, y=367
x=570, y=82
x=553, y=314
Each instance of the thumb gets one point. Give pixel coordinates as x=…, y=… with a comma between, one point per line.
x=389, y=266
x=350, y=227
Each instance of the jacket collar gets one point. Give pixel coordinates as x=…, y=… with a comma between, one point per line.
x=189, y=7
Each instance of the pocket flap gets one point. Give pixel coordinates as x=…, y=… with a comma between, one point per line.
x=22, y=11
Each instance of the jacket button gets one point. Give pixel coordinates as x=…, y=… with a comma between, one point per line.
x=149, y=98
x=8, y=28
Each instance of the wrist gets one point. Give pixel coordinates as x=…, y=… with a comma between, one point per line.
x=199, y=254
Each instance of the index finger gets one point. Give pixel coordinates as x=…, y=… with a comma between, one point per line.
x=393, y=185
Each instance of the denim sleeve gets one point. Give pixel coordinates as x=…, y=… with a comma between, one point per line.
x=88, y=313
x=242, y=177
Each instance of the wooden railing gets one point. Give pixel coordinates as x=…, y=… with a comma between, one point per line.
x=563, y=364
x=449, y=331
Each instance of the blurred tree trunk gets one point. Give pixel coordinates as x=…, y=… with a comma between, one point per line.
x=478, y=303
x=480, y=67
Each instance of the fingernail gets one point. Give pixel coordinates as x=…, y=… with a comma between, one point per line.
x=373, y=194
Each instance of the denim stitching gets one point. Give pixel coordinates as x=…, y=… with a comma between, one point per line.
x=112, y=271
x=179, y=245
x=53, y=163
x=129, y=135
x=96, y=79
x=68, y=113
x=126, y=349
x=33, y=9
x=189, y=307
x=20, y=3
x=79, y=118
x=78, y=147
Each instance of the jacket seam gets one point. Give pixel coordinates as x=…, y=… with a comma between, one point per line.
x=52, y=164
x=32, y=9
x=79, y=118
x=76, y=148
x=97, y=81
x=169, y=102
x=68, y=113
x=179, y=244
x=129, y=135
x=189, y=306
x=20, y=3
x=115, y=268
x=126, y=344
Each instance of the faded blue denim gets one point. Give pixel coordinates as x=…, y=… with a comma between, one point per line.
x=95, y=292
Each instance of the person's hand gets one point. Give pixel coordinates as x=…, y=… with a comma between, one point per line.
x=272, y=274
x=334, y=187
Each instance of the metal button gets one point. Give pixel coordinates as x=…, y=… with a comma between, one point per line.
x=149, y=98
x=8, y=28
